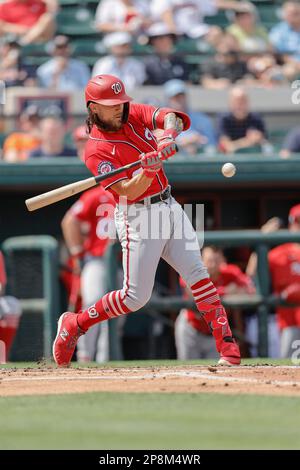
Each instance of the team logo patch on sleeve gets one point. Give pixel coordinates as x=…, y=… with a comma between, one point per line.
x=105, y=167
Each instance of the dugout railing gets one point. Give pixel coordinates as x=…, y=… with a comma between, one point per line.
x=33, y=277
x=32, y=264
x=264, y=301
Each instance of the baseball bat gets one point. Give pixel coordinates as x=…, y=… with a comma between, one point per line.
x=58, y=194
x=69, y=190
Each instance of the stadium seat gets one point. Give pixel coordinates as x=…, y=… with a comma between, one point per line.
x=269, y=15
x=88, y=46
x=277, y=136
x=39, y=49
x=220, y=19
x=141, y=49
x=2, y=139
x=82, y=3
x=76, y=22
x=190, y=46
x=66, y=3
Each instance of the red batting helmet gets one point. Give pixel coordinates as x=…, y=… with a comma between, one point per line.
x=107, y=90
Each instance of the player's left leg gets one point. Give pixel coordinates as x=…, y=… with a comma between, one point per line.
x=182, y=252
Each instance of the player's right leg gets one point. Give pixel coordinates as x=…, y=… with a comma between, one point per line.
x=140, y=259
x=182, y=252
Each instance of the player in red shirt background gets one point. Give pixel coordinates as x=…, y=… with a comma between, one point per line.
x=88, y=227
x=284, y=262
x=121, y=132
x=10, y=313
x=30, y=20
x=192, y=335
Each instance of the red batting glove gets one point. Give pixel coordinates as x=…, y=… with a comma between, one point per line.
x=151, y=164
x=167, y=149
x=166, y=144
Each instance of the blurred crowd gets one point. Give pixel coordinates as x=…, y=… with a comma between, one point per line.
x=151, y=43
x=244, y=51
x=239, y=130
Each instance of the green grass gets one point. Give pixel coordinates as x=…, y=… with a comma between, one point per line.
x=155, y=363
x=149, y=421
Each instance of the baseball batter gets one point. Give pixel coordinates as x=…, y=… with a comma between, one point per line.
x=150, y=223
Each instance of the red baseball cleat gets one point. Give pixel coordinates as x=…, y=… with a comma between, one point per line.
x=64, y=344
x=230, y=353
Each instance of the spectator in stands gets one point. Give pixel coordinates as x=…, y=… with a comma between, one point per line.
x=63, y=73
x=11, y=70
x=250, y=36
x=163, y=64
x=131, y=16
x=119, y=62
x=201, y=134
x=226, y=67
x=52, y=140
x=267, y=72
x=291, y=143
x=186, y=17
x=285, y=36
x=30, y=20
x=18, y=145
x=80, y=138
x=10, y=313
x=239, y=128
x=192, y=335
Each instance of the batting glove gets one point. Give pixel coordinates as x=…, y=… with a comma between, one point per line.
x=151, y=164
x=166, y=144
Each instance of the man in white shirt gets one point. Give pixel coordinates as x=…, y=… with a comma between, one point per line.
x=63, y=73
x=119, y=62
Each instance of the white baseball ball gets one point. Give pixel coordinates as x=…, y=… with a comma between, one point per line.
x=228, y=170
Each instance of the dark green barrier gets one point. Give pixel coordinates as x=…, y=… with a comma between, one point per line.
x=32, y=266
x=251, y=168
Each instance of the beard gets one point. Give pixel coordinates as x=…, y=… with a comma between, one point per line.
x=108, y=126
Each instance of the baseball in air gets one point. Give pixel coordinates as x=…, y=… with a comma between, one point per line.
x=228, y=170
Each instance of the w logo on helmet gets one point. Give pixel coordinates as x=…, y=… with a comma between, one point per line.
x=117, y=88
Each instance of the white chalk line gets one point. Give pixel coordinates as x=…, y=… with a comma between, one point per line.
x=198, y=375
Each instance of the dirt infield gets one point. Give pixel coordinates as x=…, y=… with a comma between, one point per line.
x=263, y=380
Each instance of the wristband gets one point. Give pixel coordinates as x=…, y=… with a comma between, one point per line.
x=149, y=173
x=76, y=250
